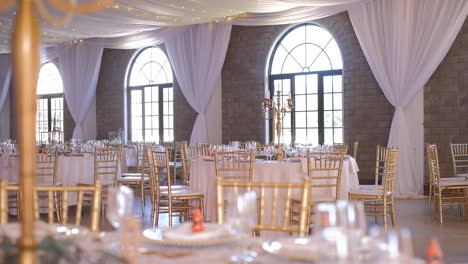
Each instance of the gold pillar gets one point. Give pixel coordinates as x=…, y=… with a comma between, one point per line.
x=25, y=48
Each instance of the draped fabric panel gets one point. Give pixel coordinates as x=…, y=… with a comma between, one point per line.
x=5, y=78
x=197, y=56
x=404, y=42
x=79, y=66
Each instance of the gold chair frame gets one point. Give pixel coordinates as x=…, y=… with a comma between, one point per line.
x=447, y=193
x=286, y=225
x=380, y=202
x=234, y=165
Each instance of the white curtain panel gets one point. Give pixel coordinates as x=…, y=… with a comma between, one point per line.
x=404, y=41
x=197, y=57
x=79, y=66
x=5, y=77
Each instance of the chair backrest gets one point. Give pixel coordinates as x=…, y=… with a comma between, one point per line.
x=433, y=163
x=188, y=153
x=63, y=194
x=160, y=173
x=381, y=158
x=234, y=165
x=459, y=158
x=4, y=202
x=140, y=150
x=170, y=147
x=324, y=170
x=273, y=200
x=46, y=167
x=355, y=149
x=203, y=149
x=390, y=171
x=340, y=147
x=106, y=165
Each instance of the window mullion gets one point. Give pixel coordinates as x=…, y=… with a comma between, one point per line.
x=161, y=113
x=293, y=111
x=143, y=114
x=321, y=129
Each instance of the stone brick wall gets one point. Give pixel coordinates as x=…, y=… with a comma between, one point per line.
x=446, y=102
x=367, y=113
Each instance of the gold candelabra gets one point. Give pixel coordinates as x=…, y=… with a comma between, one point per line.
x=278, y=111
x=25, y=50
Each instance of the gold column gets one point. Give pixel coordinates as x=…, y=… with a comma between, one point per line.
x=25, y=49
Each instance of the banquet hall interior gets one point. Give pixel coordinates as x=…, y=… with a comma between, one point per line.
x=248, y=131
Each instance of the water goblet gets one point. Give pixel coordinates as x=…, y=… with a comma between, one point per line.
x=120, y=205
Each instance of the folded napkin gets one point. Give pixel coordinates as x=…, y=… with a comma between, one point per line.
x=184, y=232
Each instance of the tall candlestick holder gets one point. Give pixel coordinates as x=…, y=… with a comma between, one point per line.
x=25, y=59
x=276, y=110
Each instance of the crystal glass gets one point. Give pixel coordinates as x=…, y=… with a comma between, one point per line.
x=241, y=220
x=268, y=151
x=120, y=205
x=392, y=246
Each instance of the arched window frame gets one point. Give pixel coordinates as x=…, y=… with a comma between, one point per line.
x=49, y=112
x=165, y=102
x=323, y=76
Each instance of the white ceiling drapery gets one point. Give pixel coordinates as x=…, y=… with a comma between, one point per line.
x=134, y=21
x=404, y=41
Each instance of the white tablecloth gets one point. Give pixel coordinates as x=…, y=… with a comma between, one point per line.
x=203, y=178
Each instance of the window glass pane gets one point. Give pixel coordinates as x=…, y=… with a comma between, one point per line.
x=337, y=102
x=300, y=84
x=300, y=103
x=334, y=54
x=313, y=136
x=322, y=63
x=338, y=135
x=137, y=135
x=327, y=101
x=49, y=81
x=312, y=83
x=328, y=118
x=337, y=83
x=328, y=134
x=337, y=119
x=278, y=60
x=286, y=135
x=294, y=38
x=301, y=136
x=287, y=121
x=312, y=119
x=327, y=84
x=301, y=119
x=135, y=96
x=312, y=102
x=151, y=67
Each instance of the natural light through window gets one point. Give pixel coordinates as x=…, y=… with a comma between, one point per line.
x=306, y=63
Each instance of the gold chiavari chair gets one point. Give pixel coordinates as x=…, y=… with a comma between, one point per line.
x=188, y=153
x=5, y=203
x=338, y=147
x=166, y=199
x=203, y=149
x=234, y=165
x=271, y=195
x=459, y=160
x=46, y=172
x=64, y=192
x=378, y=201
x=324, y=170
x=178, y=164
x=139, y=181
x=446, y=192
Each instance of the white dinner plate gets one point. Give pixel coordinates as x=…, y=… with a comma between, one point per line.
x=41, y=230
x=302, y=249
x=214, y=234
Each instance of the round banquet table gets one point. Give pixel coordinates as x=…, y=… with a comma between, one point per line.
x=203, y=179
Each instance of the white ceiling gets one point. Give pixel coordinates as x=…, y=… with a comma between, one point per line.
x=126, y=17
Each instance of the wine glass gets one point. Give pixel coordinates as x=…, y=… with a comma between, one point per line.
x=267, y=151
x=242, y=219
x=392, y=246
x=120, y=205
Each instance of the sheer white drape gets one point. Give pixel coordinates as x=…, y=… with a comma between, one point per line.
x=404, y=41
x=197, y=56
x=79, y=66
x=5, y=77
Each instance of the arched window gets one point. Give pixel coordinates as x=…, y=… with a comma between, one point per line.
x=150, y=97
x=306, y=64
x=49, y=102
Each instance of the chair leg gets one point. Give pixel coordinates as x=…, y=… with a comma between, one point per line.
x=170, y=211
x=440, y=206
x=392, y=213
x=143, y=198
x=385, y=214
x=430, y=198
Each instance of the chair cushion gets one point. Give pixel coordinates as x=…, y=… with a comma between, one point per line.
x=175, y=187
x=453, y=183
x=132, y=179
x=377, y=190
x=182, y=193
x=132, y=174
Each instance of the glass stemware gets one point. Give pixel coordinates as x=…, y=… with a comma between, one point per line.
x=120, y=205
x=241, y=221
